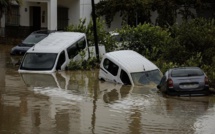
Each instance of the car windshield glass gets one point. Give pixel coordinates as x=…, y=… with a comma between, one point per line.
x=147, y=77
x=33, y=39
x=38, y=61
x=184, y=72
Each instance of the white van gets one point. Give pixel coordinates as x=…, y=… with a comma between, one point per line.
x=55, y=52
x=129, y=68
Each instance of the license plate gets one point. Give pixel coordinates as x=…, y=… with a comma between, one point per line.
x=190, y=86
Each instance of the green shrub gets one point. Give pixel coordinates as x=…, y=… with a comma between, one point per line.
x=89, y=64
x=83, y=64
x=192, y=37
x=164, y=66
x=190, y=44
x=146, y=39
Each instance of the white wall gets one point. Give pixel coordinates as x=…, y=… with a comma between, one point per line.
x=44, y=9
x=77, y=9
x=74, y=10
x=74, y=13
x=25, y=14
x=85, y=9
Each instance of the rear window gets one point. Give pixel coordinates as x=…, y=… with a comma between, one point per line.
x=184, y=72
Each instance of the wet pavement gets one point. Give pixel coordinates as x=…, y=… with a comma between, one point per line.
x=75, y=102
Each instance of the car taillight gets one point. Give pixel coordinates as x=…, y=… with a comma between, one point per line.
x=170, y=83
x=206, y=81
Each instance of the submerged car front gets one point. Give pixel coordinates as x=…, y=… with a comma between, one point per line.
x=146, y=77
x=38, y=62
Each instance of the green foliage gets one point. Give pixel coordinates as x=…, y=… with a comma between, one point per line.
x=193, y=37
x=146, y=39
x=104, y=38
x=189, y=44
x=166, y=10
x=90, y=64
x=210, y=71
x=5, y=5
x=164, y=66
x=133, y=12
x=83, y=64
x=81, y=27
x=88, y=29
x=194, y=60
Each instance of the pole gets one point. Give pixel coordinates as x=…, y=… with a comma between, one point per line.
x=95, y=30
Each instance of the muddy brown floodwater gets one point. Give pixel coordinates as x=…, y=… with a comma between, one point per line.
x=75, y=102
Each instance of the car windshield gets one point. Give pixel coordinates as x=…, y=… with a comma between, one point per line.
x=184, y=72
x=146, y=77
x=32, y=39
x=38, y=61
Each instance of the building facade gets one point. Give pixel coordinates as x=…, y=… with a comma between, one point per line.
x=33, y=15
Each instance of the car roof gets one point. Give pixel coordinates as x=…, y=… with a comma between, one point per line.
x=56, y=42
x=131, y=61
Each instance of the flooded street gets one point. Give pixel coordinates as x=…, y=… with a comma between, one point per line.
x=76, y=102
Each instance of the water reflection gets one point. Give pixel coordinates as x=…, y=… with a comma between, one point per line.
x=205, y=123
x=76, y=102
x=146, y=109
x=59, y=80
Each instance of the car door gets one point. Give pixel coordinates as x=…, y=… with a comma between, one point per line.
x=109, y=71
x=61, y=64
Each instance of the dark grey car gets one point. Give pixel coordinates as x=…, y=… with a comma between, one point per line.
x=184, y=80
x=30, y=41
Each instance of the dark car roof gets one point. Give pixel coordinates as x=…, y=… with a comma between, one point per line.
x=29, y=41
x=43, y=32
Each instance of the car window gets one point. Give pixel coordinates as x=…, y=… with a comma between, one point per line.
x=34, y=38
x=110, y=67
x=81, y=44
x=184, y=72
x=72, y=51
x=61, y=60
x=124, y=77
